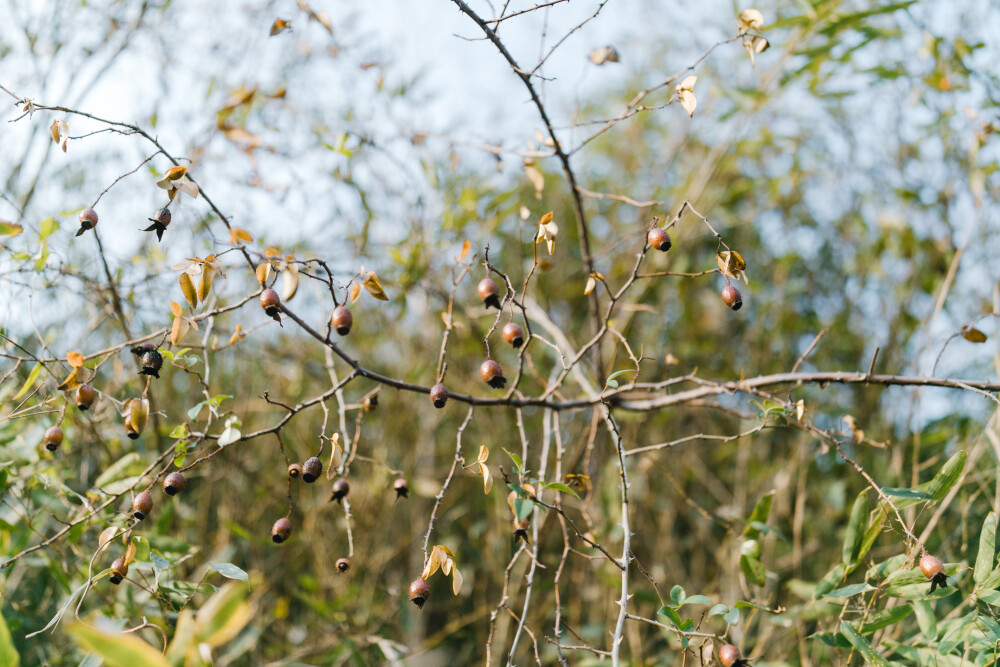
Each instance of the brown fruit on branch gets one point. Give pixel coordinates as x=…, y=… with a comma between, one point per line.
x=142, y=505
x=933, y=569
x=340, y=490
x=439, y=395
x=294, y=470
x=311, y=470
x=173, y=483
x=492, y=374
x=419, y=592
x=729, y=656
x=85, y=396
x=489, y=293
x=658, y=239
x=118, y=571
x=342, y=320
x=521, y=529
x=88, y=220
x=271, y=303
x=343, y=565
x=401, y=488
x=160, y=220
x=732, y=297
x=281, y=529
x=53, y=438
x=150, y=359
x=513, y=334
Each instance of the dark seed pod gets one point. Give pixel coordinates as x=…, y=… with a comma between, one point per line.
x=658, y=239
x=281, y=529
x=53, y=438
x=311, y=470
x=732, y=297
x=88, y=220
x=142, y=505
x=160, y=220
x=343, y=565
x=342, y=320
x=173, y=483
x=729, y=656
x=492, y=374
x=439, y=395
x=521, y=529
x=340, y=490
x=118, y=571
x=401, y=488
x=419, y=592
x=151, y=363
x=370, y=403
x=270, y=302
x=294, y=470
x=85, y=396
x=513, y=334
x=489, y=293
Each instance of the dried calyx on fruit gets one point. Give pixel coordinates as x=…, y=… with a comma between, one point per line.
x=513, y=334
x=88, y=220
x=439, y=395
x=370, y=403
x=85, y=396
x=419, y=592
x=521, y=529
x=173, y=483
x=142, y=505
x=150, y=359
x=658, y=239
x=343, y=565
x=489, y=293
x=729, y=656
x=401, y=488
x=53, y=438
x=294, y=470
x=271, y=303
x=933, y=569
x=492, y=374
x=118, y=571
x=341, y=320
x=311, y=469
x=340, y=490
x=732, y=297
x=281, y=529
x=160, y=220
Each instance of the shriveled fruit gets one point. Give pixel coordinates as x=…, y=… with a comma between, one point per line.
x=88, y=220
x=294, y=470
x=729, y=656
x=340, y=490
x=160, y=220
x=933, y=569
x=343, y=565
x=401, y=488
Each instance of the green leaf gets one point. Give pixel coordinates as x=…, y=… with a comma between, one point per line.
x=677, y=594
x=229, y=571
x=871, y=656
x=942, y=482
x=28, y=383
x=49, y=226
x=733, y=617
x=926, y=618
x=718, y=610
x=10, y=229
x=178, y=432
x=753, y=569
x=849, y=591
x=759, y=514
x=518, y=464
x=116, y=470
x=611, y=382
x=523, y=507
x=909, y=494
x=872, y=533
x=855, y=532
x=117, y=649
x=829, y=581
x=223, y=616
x=670, y=613
x=9, y=656
x=562, y=488
x=697, y=599
x=883, y=619
x=987, y=549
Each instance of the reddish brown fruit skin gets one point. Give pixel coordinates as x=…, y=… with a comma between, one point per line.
x=162, y=216
x=732, y=297
x=439, y=395
x=118, y=571
x=311, y=470
x=492, y=374
x=142, y=504
x=513, y=334
x=173, y=484
x=521, y=529
x=281, y=530
x=729, y=655
x=931, y=566
x=270, y=302
x=658, y=239
x=294, y=470
x=88, y=218
x=53, y=438
x=85, y=396
x=401, y=488
x=340, y=490
x=489, y=293
x=419, y=592
x=342, y=320
x=343, y=565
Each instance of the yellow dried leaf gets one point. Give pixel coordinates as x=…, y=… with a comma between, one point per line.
x=176, y=173
x=178, y=329
x=800, y=409
x=54, y=130
x=355, y=292
x=731, y=263
x=484, y=454
x=237, y=236
x=546, y=219
x=237, y=335
x=263, y=273
x=465, y=250
x=973, y=335
x=604, y=54
x=175, y=309
x=104, y=539
x=130, y=553
x=751, y=19
x=279, y=26
x=138, y=413
x=205, y=282
x=591, y=284
x=187, y=186
x=187, y=288
x=272, y=253
x=74, y=359
x=456, y=580
x=374, y=287
x=289, y=281
x=71, y=382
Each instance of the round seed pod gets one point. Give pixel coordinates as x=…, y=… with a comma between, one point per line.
x=85, y=396
x=729, y=655
x=340, y=490
x=342, y=320
x=492, y=374
x=151, y=363
x=732, y=297
x=931, y=566
x=270, y=302
x=489, y=293
x=88, y=219
x=53, y=438
x=439, y=395
x=118, y=571
x=658, y=239
x=513, y=334
x=419, y=592
x=311, y=470
x=173, y=483
x=142, y=505
x=281, y=530
x=401, y=488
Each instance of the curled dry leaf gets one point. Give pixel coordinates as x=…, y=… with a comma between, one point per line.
x=205, y=282
x=547, y=231
x=483, y=469
x=10, y=229
x=355, y=292
x=751, y=19
x=973, y=335
x=104, y=539
x=374, y=287
x=263, y=273
x=187, y=288
x=237, y=335
x=591, y=284
x=800, y=409
x=238, y=236
x=74, y=359
x=289, y=279
x=279, y=26
x=79, y=375
x=465, y=250
x=130, y=553
x=731, y=264
x=60, y=133
x=178, y=330
x=604, y=54
x=685, y=93
x=175, y=309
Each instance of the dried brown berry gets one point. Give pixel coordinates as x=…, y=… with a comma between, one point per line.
x=732, y=297
x=118, y=571
x=370, y=403
x=160, y=220
x=521, y=529
x=489, y=293
x=729, y=656
x=439, y=395
x=340, y=490
x=419, y=592
x=401, y=488
x=492, y=374
x=281, y=529
x=85, y=396
x=173, y=483
x=151, y=361
x=342, y=320
x=53, y=438
x=142, y=505
x=933, y=569
x=658, y=239
x=270, y=302
x=88, y=220
x=513, y=334
x=311, y=470
x=343, y=565
x=294, y=470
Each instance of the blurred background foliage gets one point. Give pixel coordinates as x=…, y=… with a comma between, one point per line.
x=853, y=166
